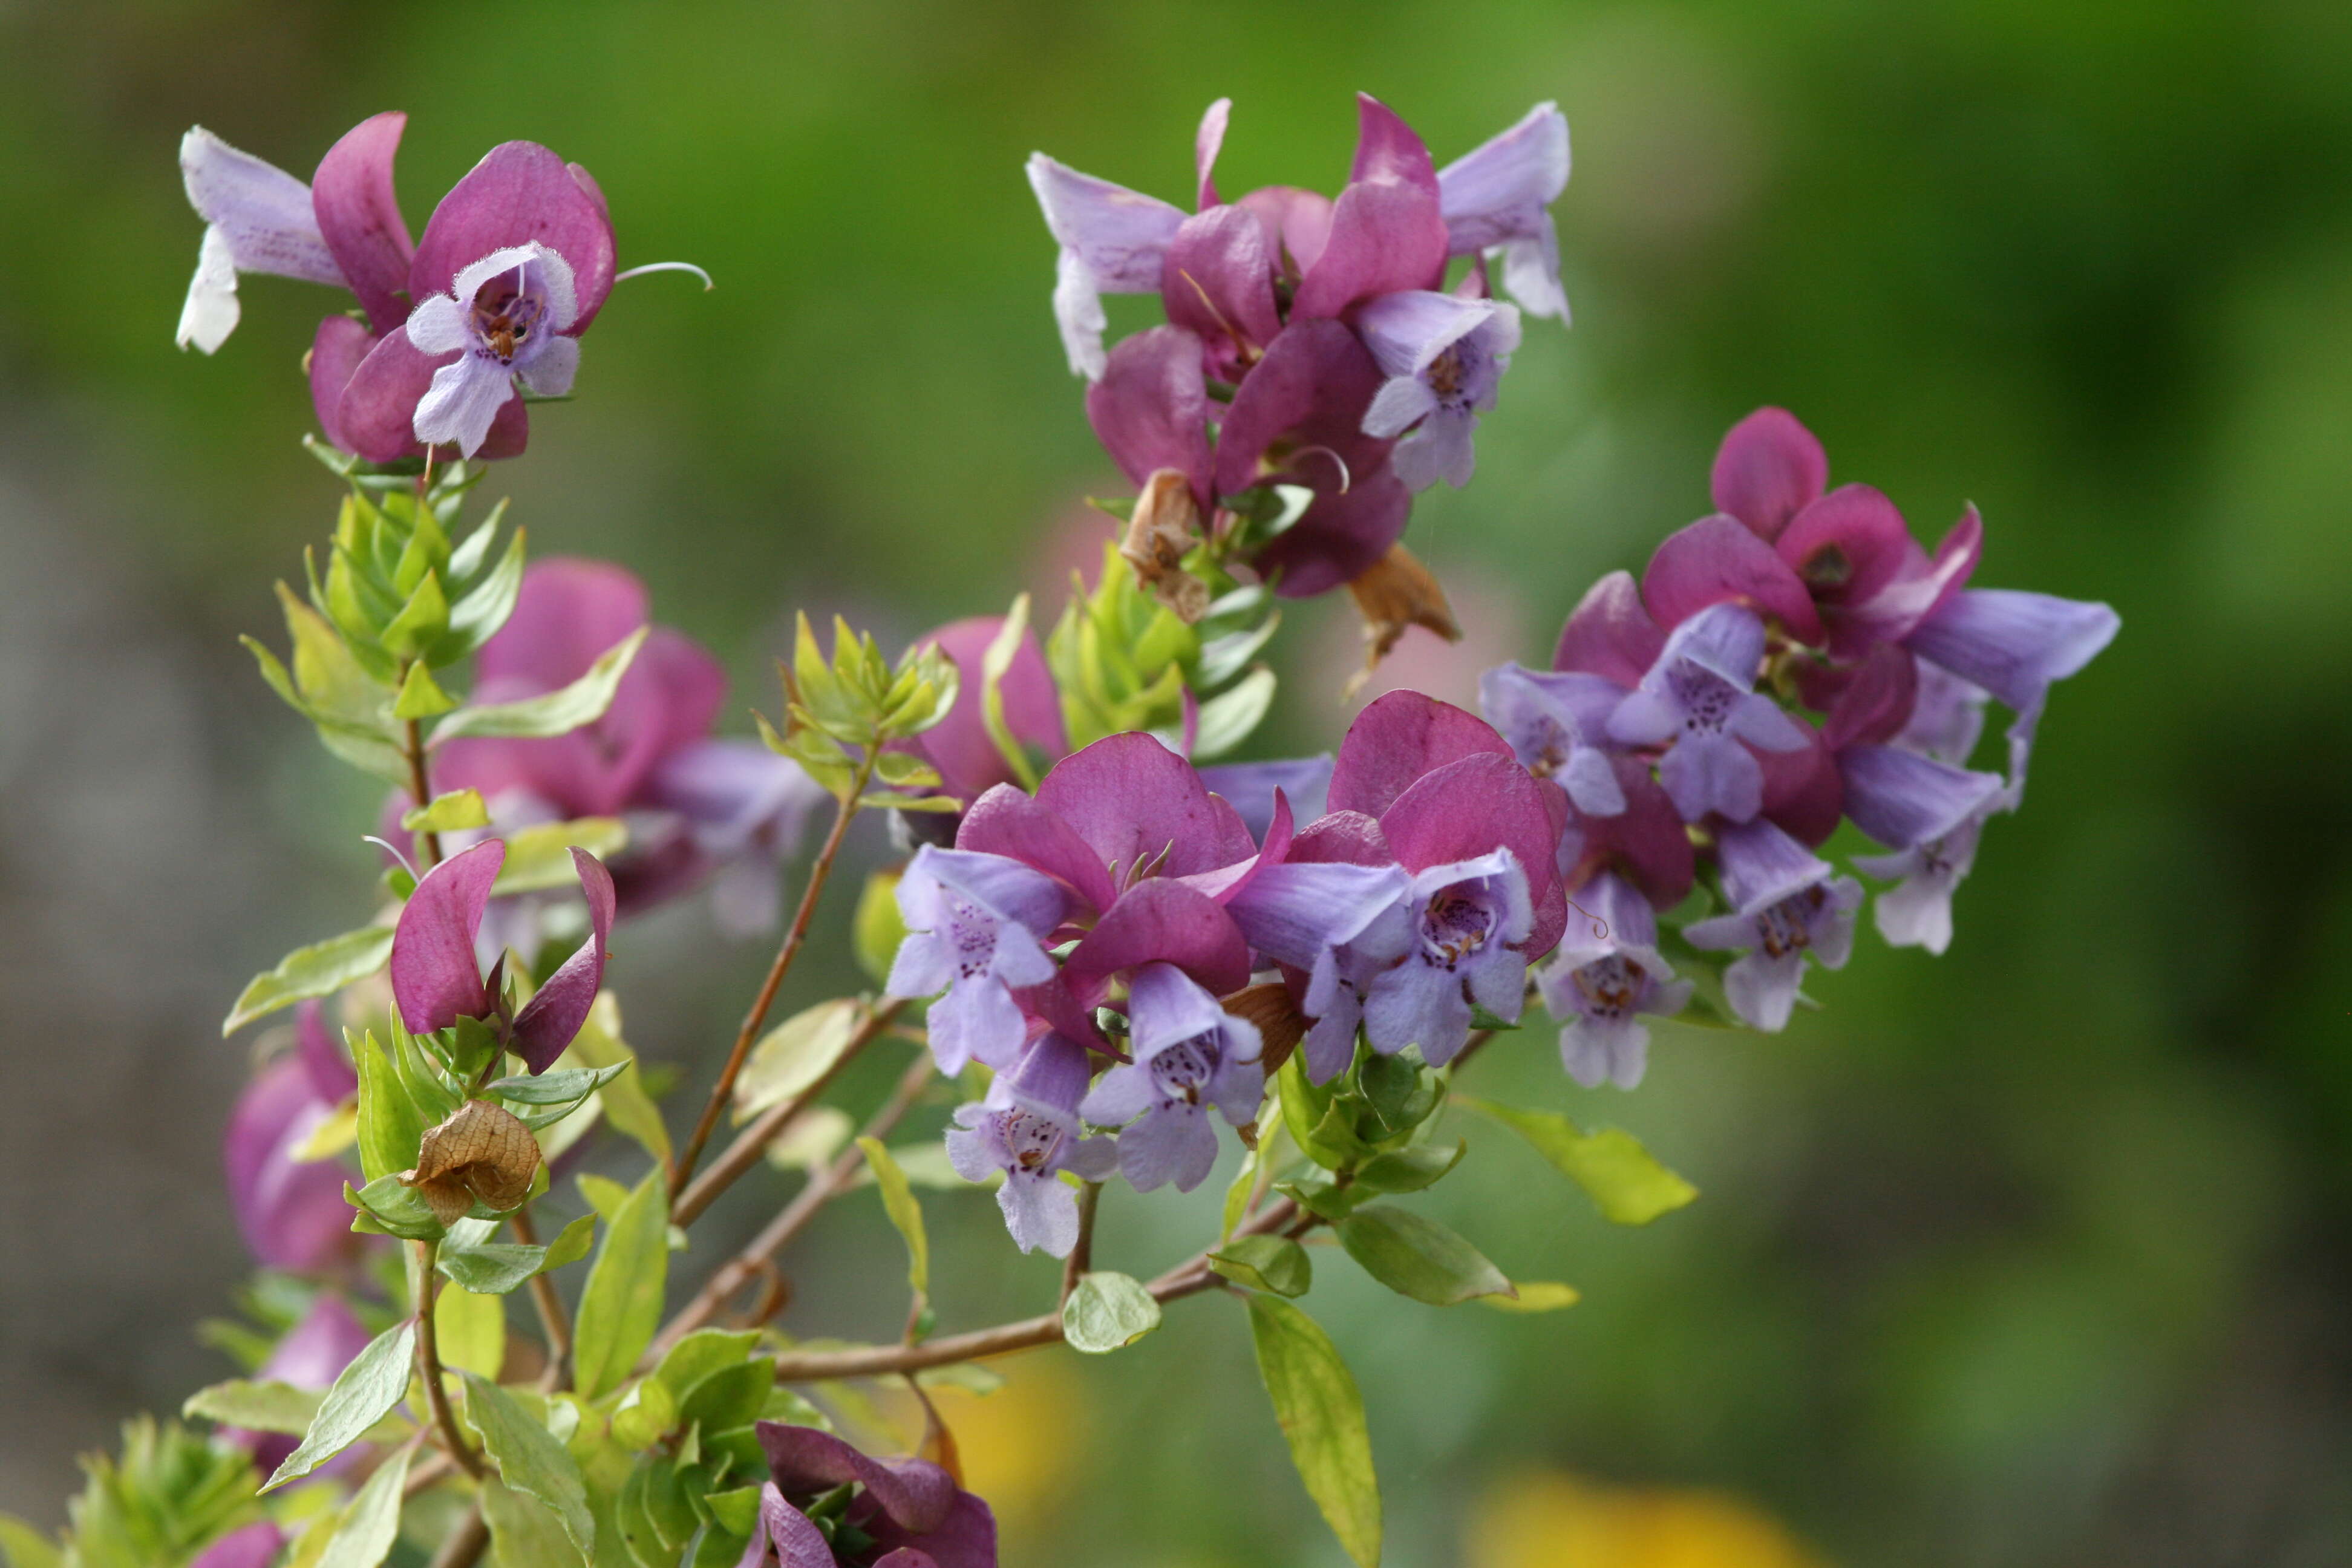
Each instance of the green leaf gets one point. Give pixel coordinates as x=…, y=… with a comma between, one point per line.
x=471, y=1329
x=621, y=1306
x=702, y=1352
x=539, y=857
x=898, y=1202
x=1409, y=1170
x=644, y=1416
x=320, y=970
x=1106, y=1311
x=566, y=1088
x=365, y=1393
x=627, y=1106
x=25, y=1547
x=796, y=1055
x=1535, y=1296
x=1623, y=1178
x=1273, y=1263
x=420, y=621
x=529, y=1459
x=495, y=1269
x=1415, y=1256
x=1228, y=718
x=1322, y=1130
x=451, y=813
x=524, y=1532
x=559, y=712
x=421, y=696
x=605, y=1196
x=389, y=1130
x=394, y=1208
x=268, y=1407
x=878, y=928
x=369, y=1523
x=476, y=617
x=1322, y=1415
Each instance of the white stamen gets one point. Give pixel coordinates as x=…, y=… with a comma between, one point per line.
x=667, y=267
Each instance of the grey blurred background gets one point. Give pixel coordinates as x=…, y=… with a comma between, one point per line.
x=2037, y=1254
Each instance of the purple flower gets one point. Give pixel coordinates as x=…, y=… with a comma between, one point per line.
x=1113, y=241
x=904, y=1513
x=693, y=804
x=519, y=196
x=437, y=980
x=1468, y=923
x=2015, y=646
x=960, y=745
x=310, y=1355
x=1787, y=906
x=290, y=1210
x=1496, y=198
x=1251, y=788
x=1698, y=702
x=1190, y=1054
x=258, y=218
x=1444, y=356
x=975, y=927
x=254, y=1545
x=1605, y=973
x=1027, y=1128
x=1557, y=722
x=505, y=319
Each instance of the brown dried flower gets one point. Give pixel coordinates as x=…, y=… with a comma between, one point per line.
x=1166, y=524
x=1397, y=592
x=481, y=1152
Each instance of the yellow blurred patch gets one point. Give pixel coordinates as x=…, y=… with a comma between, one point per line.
x=1548, y=1518
x=1015, y=1444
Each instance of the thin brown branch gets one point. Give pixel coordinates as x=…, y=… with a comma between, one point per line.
x=553, y=1324
x=428, y=1366
x=463, y=1546
x=819, y=870
x=822, y=1189
x=1082, y=1254
x=752, y=1143
x=427, y=845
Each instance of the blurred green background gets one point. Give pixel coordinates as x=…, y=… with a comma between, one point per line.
x=2038, y=1254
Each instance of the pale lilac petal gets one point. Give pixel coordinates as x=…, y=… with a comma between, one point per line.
x=547, y=272
x=210, y=312
x=434, y=976
x=1485, y=804
x=972, y=1153
x=377, y=414
x=1760, y=721
x=1762, y=866
x=1712, y=773
x=1768, y=469
x=1726, y=640
x=976, y=1020
x=1250, y=788
x=262, y=213
x=1206, y=142
x=1040, y=1212
x=2013, y=644
x=1763, y=989
x=1172, y=1144
x=1291, y=913
x=1049, y=1081
x=1091, y=1159
x=1833, y=930
x=1901, y=798
x=1442, y=448
x=1417, y=1004
x=1497, y=979
x=437, y=326
x=1113, y=240
x=465, y=397
x=1407, y=330
x=555, y=1012
x=1118, y=1096
x=1496, y=196
x=1946, y=716
x=1400, y=403
x=1605, y=1051
x=1330, y=1044
x=551, y=370
x=358, y=212
x=1005, y=887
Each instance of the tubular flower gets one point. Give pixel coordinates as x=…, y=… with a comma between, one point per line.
x=1497, y=199
x=504, y=317
x=1444, y=357
x=975, y=927
x=1604, y=976
x=1699, y=703
x=1189, y=1054
x=1028, y=1128
x=1788, y=906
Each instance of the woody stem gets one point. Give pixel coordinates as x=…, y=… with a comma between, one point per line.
x=845, y=809
x=420, y=787
x=428, y=1365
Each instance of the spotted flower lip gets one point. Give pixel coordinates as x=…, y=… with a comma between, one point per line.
x=1467, y=926
x=437, y=980
x=1698, y=701
x=1557, y=722
x=975, y=927
x=1444, y=356
x=505, y=320
x=1190, y=1056
x=1028, y=1129
x=1789, y=906
x=1606, y=975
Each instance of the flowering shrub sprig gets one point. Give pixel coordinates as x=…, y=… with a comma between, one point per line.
x=1124, y=960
